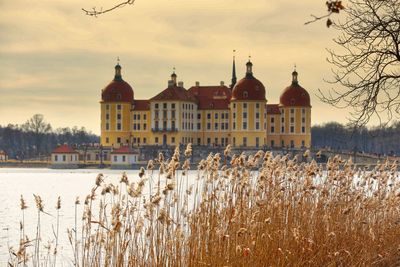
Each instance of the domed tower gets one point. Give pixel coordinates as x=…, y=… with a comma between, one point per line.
x=295, y=107
x=116, y=102
x=248, y=111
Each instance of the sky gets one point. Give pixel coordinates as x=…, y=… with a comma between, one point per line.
x=55, y=60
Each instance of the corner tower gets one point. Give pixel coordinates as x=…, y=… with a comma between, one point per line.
x=248, y=111
x=116, y=102
x=295, y=109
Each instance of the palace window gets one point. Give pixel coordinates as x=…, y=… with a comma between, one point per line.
x=282, y=129
x=244, y=115
x=173, y=140
x=257, y=115
x=216, y=126
x=107, y=126
x=208, y=126
x=198, y=141
x=144, y=116
x=118, y=126
x=138, y=116
x=156, y=105
x=107, y=107
x=244, y=125
x=119, y=107
x=165, y=105
x=199, y=126
x=291, y=143
x=118, y=140
x=292, y=129
x=144, y=126
x=257, y=125
x=291, y=120
x=156, y=140
x=208, y=141
x=107, y=116
x=303, y=120
x=208, y=116
x=257, y=105
x=272, y=119
x=173, y=105
x=303, y=129
x=198, y=116
x=234, y=125
x=244, y=105
x=144, y=140
x=118, y=116
x=272, y=129
x=244, y=141
x=292, y=111
x=272, y=143
x=216, y=115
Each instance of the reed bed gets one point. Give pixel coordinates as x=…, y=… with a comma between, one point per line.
x=257, y=210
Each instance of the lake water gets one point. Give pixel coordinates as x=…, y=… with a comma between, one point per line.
x=49, y=184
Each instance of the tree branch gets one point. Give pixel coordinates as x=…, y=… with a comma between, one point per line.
x=94, y=12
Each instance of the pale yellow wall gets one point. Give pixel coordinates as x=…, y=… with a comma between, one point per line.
x=224, y=136
x=298, y=136
x=112, y=134
x=251, y=133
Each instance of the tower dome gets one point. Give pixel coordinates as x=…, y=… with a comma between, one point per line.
x=249, y=88
x=117, y=90
x=295, y=95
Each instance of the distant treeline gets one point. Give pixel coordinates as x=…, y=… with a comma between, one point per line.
x=36, y=138
x=339, y=137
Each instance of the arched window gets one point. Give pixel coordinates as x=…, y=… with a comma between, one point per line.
x=245, y=94
x=118, y=96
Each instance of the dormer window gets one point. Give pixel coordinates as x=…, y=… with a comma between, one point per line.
x=245, y=94
x=118, y=96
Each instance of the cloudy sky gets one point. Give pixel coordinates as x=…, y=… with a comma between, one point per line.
x=55, y=60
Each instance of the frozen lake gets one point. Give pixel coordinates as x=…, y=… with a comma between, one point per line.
x=49, y=184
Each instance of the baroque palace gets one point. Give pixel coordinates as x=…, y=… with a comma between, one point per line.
x=206, y=115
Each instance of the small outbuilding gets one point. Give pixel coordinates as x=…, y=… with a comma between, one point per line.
x=64, y=157
x=3, y=156
x=124, y=157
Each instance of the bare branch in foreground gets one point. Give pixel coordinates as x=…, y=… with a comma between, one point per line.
x=95, y=12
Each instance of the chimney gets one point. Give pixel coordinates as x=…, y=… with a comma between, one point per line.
x=197, y=83
x=222, y=83
x=180, y=84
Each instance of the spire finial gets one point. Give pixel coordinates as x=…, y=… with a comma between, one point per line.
x=249, y=57
x=249, y=68
x=233, y=79
x=118, y=76
x=294, y=75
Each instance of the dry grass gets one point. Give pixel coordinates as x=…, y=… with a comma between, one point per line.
x=260, y=210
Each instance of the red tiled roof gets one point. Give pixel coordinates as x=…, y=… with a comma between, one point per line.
x=248, y=88
x=141, y=105
x=273, y=109
x=295, y=95
x=117, y=91
x=212, y=97
x=64, y=149
x=123, y=150
x=175, y=93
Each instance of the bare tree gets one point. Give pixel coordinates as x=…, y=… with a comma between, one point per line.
x=367, y=68
x=95, y=11
x=38, y=127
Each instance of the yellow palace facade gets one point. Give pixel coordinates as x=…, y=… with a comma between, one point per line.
x=206, y=115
